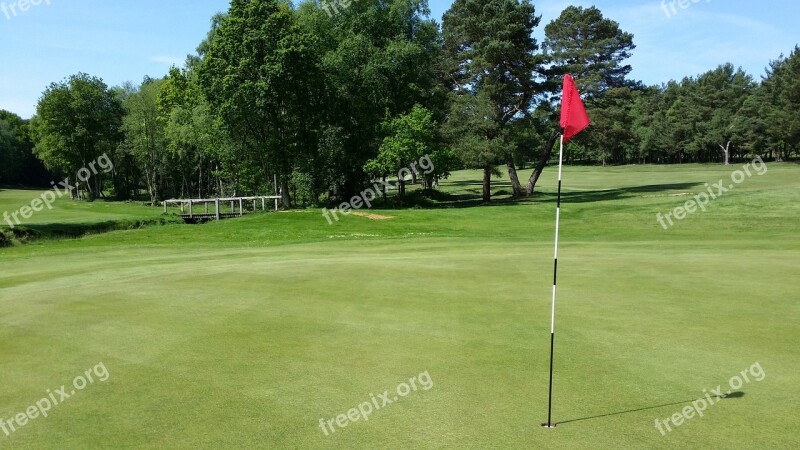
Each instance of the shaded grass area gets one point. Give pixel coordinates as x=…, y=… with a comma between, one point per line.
x=28, y=233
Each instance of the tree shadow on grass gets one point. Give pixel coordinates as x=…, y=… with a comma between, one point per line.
x=7, y=187
x=473, y=198
x=627, y=192
x=26, y=233
x=62, y=230
x=737, y=394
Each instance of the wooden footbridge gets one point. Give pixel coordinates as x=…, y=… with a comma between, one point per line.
x=236, y=207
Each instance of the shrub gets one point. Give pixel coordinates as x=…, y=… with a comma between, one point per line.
x=5, y=240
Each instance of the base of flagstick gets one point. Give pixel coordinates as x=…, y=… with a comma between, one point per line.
x=548, y=425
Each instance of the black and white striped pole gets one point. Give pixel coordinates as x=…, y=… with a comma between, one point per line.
x=550, y=423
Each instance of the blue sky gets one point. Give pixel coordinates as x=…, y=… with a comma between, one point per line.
x=122, y=40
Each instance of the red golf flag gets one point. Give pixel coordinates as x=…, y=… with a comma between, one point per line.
x=574, y=118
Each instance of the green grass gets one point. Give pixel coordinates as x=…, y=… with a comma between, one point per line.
x=244, y=333
x=67, y=211
x=67, y=218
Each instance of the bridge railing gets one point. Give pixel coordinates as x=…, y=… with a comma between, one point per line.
x=217, y=202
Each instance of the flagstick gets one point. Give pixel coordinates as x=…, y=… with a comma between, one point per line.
x=549, y=423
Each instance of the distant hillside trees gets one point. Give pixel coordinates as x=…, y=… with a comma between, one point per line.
x=719, y=116
x=18, y=164
x=777, y=102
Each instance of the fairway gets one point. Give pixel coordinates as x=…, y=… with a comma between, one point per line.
x=244, y=333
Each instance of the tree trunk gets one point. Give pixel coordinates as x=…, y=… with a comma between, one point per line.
x=516, y=187
x=487, y=184
x=287, y=202
x=726, y=149
x=547, y=152
x=401, y=187
x=779, y=155
x=151, y=186
x=221, y=192
x=89, y=190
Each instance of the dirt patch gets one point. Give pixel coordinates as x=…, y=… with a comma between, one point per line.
x=371, y=216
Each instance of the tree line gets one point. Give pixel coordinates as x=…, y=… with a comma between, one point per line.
x=287, y=98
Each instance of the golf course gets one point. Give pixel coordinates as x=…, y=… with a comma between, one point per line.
x=258, y=332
